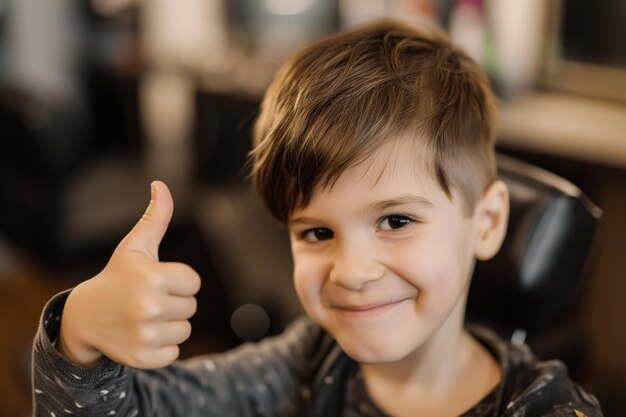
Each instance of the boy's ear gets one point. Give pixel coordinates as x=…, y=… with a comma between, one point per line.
x=492, y=213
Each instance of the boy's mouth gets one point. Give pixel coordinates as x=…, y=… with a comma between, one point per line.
x=368, y=310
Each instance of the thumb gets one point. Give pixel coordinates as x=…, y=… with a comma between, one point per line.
x=147, y=234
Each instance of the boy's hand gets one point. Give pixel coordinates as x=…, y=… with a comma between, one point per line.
x=136, y=310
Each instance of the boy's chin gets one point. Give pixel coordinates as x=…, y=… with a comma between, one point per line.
x=374, y=352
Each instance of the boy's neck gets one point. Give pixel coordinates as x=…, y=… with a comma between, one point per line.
x=446, y=376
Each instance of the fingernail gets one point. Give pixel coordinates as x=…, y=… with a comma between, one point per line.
x=153, y=190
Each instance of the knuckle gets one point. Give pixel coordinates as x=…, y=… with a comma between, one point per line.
x=170, y=355
x=147, y=216
x=192, y=277
x=141, y=359
x=144, y=336
x=147, y=279
x=153, y=359
x=144, y=310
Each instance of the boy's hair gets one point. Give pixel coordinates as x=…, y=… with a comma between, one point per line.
x=336, y=102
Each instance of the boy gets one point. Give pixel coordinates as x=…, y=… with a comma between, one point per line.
x=375, y=147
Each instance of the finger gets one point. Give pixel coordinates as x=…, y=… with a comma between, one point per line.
x=173, y=332
x=179, y=279
x=153, y=358
x=147, y=234
x=166, y=355
x=178, y=308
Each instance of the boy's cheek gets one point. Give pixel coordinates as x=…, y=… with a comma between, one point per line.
x=308, y=283
x=430, y=258
x=311, y=303
x=419, y=264
x=439, y=278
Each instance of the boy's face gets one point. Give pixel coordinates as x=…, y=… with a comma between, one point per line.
x=383, y=258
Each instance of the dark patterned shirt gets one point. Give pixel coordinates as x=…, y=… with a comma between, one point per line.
x=302, y=372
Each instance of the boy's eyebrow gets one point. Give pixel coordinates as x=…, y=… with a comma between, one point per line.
x=300, y=220
x=400, y=201
x=377, y=206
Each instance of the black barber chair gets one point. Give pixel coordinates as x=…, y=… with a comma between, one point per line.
x=527, y=290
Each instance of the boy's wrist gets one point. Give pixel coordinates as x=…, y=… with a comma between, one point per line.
x=70, y=344
x=79, y=355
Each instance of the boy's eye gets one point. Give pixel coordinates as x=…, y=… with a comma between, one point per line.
x=317, y=234
x=394, y=222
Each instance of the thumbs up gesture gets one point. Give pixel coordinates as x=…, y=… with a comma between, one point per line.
x=136, y=310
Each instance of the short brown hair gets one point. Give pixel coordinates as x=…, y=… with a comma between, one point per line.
x=335, y=102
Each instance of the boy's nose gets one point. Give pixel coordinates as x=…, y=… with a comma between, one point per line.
x=353, y=269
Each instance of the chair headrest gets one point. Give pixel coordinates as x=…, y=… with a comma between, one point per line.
x=534, y=277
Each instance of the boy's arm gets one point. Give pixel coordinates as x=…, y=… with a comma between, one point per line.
x=61, y=387
x=133, y=315
x=260, y=379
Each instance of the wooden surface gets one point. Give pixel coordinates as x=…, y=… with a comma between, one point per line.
x=566, y=126
x=24, y=291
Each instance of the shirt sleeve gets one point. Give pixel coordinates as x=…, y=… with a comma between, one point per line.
x=261, y=379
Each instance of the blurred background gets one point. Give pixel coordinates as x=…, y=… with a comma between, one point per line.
x=99, y=97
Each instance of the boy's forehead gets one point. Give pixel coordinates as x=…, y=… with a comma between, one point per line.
x=393, y=171
x=390, y=161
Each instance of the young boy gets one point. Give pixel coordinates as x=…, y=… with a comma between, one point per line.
x=375, y=147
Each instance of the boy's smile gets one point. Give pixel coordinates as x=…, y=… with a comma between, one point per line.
x=383, y=258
